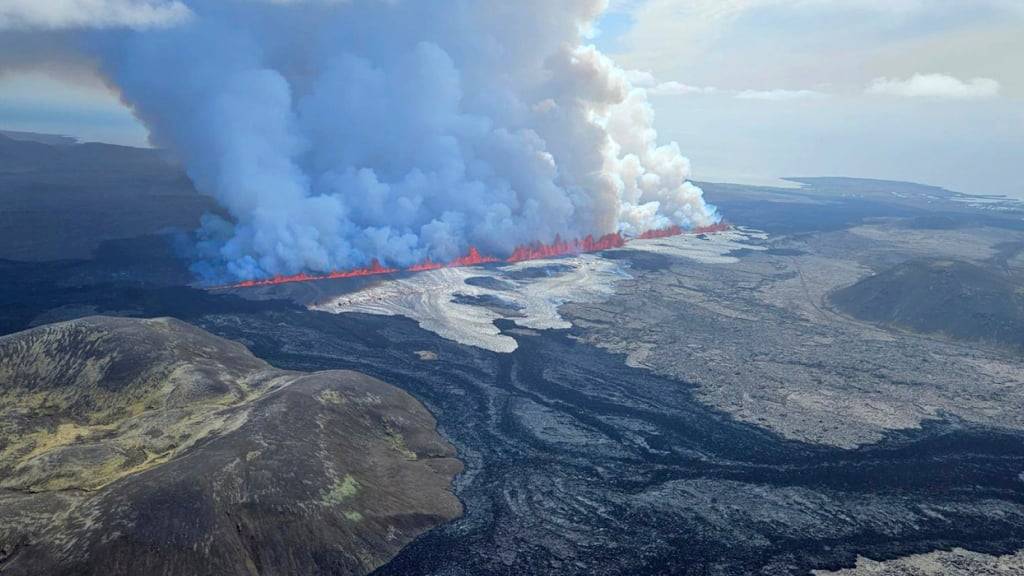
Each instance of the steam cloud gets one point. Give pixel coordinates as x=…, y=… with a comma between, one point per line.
x=334, y=132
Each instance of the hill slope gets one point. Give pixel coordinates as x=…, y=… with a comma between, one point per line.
x=62, y=201
x=958, y=299
x=149, y=446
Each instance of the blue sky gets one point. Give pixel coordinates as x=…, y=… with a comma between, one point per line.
x=924, y=90
x=42, y=102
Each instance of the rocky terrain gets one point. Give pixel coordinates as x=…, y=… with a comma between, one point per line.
x=149, y=446
x=762, y=341
x=762, y=324
x=578, y=464
x=956, y=562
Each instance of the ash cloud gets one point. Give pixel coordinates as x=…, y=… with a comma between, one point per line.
x=338, y=132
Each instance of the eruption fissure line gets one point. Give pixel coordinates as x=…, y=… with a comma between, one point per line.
x=535, y=251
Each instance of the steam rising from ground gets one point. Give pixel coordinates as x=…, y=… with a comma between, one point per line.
x=338, y=132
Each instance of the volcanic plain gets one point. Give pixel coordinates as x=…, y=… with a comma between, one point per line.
x=725, y=404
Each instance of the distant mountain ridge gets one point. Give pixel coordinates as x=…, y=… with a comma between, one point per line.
x=871, y=186
x=62, y=201
x=50, y=139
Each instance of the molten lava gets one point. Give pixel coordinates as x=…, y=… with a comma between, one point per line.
x=473, y=258
x=661, y=233
x=559, y=247
x=424, y=266
x=375, y=269
x=713, y=229
x=533, y=251
x=677, y=231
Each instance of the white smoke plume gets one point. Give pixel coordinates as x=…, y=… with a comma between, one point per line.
x=334, y=132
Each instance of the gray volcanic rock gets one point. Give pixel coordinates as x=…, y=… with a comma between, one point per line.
x=149, y=446
x=957, y=562
x=950, y=297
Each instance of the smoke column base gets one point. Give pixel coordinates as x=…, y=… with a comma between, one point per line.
x=534, y=251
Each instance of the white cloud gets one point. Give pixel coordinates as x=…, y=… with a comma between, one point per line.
x=646, y=80
x=63, y=14
x=779, y=95
x=641, y=78
x=679, y=89
x=935, y=86
x=734, y=44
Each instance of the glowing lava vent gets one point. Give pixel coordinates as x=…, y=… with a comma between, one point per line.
x=533, y=251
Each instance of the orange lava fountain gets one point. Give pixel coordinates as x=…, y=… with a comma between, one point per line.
x=375, y=269
x=676, y=231
x=533, y=251
x=559, y=247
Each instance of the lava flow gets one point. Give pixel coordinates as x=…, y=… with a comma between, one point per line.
x=473, y=258
x=534, y=251
x=375, y=269
x=559, y=247
x=660, y=233
x=676, y=231
x=713, y=229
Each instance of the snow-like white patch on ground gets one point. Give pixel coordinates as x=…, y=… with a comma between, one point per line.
x=528, y=293
x=706, y=249
x=439, y=299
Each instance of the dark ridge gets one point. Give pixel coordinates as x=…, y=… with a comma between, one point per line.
x=956, y=299
x=199, y=446
x=871, y=186
x=933, y=222
x=49, y=139
x=743, y=252
x=956, y=221
x=640, y=260
x=534, y=272
x=63, y=201
x=489, y=301
x=490, y=283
